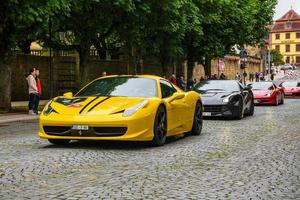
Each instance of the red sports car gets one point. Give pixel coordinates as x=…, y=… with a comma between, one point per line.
x=267, y=93
x=291, y=88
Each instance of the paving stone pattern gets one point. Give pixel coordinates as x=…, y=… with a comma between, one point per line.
x=254, y=158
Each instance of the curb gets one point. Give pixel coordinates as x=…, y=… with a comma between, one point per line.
x=18, y=118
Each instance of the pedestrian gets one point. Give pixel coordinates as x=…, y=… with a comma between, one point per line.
x=222, y=76
x=237, y=77
x=256, y=77
x=39, y=88
x=33, y=92
x=261, y=76
x=272, y=77
x=190, y=84
x=182, y=83
x=173, y=79
x=251, y=76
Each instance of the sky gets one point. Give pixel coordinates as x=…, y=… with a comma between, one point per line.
x=284, y=6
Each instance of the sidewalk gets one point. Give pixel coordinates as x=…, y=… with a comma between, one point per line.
x=19, y=116
x=16, y=117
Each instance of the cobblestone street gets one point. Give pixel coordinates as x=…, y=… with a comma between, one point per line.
x=254, y=158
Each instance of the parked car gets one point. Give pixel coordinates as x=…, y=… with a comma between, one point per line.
x=225, y=98
x=267, y=93
x=291, y=88
x=287, y=67
x=131, y=108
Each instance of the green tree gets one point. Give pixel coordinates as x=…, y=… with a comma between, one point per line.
x=277, y=57
x=225, y=24
x=15, y=17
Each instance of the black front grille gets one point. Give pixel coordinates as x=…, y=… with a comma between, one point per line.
x=213, y=108
x=91, y=132
x=54, y=130
x=110, y=131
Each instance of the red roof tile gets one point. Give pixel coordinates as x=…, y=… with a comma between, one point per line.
x=290, y=15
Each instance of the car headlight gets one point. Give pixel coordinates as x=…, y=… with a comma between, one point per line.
x=133, y=109
x=269, y=94
x=226, y=99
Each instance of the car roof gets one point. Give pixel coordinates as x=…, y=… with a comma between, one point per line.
x=138, y=76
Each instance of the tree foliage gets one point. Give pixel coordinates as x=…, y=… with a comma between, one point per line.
x=171, y=30
x=277, y=57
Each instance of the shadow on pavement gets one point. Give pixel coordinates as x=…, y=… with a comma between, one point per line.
x=113, y=145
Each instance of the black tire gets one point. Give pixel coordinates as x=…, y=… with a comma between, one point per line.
x=160, y=127
x=240, y=113
x=282, y=99
x=251, y=111
x=198, y=120
x=59, y=142
x=277, y=101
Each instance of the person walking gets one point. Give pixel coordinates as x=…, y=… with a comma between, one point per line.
x=237, y=77
x=39, y=88
x=33, y=92
x=222, y=76
x=256, y=77
x=182, y=83
x=173, y=79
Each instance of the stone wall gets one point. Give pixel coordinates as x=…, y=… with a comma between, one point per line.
x=64, y=75
x=66, y=72
x=232, y=66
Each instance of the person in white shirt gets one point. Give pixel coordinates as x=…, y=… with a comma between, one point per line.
x=33, y=92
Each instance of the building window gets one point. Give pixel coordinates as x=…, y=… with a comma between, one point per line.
x=287, y=36
x=297, y=59
x=287, y=60
x=297, y=47
x=287, y=48
x=277, y=36
x=277, y=47
x=298, y=35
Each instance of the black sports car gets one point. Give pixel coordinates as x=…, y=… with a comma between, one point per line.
x=225, y=98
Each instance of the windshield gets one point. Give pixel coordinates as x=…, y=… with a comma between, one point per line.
x=121, y=86
x=213, y=86
x=262, y=86
x=291, y=84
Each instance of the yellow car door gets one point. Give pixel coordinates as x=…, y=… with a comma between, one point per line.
x=174, y=106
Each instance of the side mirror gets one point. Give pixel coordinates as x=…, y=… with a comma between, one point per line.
x=248, y=87
x=68, y=95
x=176, y=96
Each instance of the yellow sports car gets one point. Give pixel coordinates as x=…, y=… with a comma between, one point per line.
x=131, y=108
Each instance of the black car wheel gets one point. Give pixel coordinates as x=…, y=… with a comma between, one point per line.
x=282, y=99
x=198, y=120
x=160, y=127
x=251, y=111
x=277, y=101
x=59, y=142
x=240, y=113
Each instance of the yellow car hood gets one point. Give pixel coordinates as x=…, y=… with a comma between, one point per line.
x=93, y=105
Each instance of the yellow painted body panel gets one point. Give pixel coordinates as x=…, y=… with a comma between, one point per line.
x=108, y=113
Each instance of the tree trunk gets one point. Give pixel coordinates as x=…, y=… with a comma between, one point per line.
x=207, y=66
x=164, y=60
x=190, y=69
x=84, y=55
x=5, y=84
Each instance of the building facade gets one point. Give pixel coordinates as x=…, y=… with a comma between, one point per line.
x=285, y=36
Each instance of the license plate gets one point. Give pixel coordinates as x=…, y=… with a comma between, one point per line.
x=206, y=114
x=80, y=127
x=287, y=93
x=256, y=101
